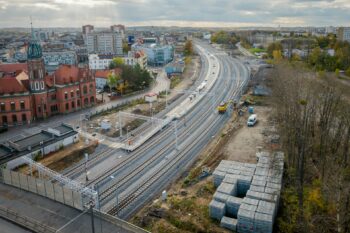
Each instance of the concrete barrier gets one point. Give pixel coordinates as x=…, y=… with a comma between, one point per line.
x=119, y=222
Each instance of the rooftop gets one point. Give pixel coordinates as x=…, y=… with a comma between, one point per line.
x=63, y=129
x=34, y=140
x=10, y=150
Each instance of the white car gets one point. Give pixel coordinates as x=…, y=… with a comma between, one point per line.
x=252, y=120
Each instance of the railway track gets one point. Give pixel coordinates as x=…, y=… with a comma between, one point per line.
x=162, y=171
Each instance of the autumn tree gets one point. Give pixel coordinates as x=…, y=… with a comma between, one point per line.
x=188, y=48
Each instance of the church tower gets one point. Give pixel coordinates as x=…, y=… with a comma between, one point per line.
x=36, y=72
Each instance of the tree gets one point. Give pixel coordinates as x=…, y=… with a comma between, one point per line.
x=126, y=47
x=277, y=55
x=112, y=80
x=117, y=62
x=347, y=72
x=337, y=72
x=273, y=47
x=188, y=48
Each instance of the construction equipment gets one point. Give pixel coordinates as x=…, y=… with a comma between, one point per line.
x=222, y=108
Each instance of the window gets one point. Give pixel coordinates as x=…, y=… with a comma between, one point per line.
x=92, y=100
x=24, y=117
x=36, y=86
x=91, y=88
x=39, y=109
x=78, y=93
x=42, y=85
x=54, y=108
x=66, y=95
x=4, y=119
x=13, y=106
x=86, y=101
x=72, y=94
x=73, y=105
x=78, y=103
x=67, y=106
x=2, y=107
x=22, y=105
x=85, y=89
x=53, y=97
x=14, y=118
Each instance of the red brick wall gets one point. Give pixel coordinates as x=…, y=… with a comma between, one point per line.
x=18, y=111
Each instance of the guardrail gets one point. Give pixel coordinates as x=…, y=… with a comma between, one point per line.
x=25, y=222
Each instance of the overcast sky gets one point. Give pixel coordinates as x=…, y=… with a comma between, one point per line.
x=206, y=13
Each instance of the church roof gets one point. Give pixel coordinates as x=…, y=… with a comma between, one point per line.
x=34, y=50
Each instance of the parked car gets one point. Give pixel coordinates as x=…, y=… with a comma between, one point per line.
x=252, y=120
x=112, y=94
x=99, y=91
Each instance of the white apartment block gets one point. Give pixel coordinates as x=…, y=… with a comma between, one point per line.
x=105, y=43
x=101, y=62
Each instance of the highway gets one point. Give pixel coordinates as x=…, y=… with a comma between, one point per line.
x=140, y=175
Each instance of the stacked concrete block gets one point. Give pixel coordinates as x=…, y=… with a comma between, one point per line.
x=227, y=188
x=259, y=184
x=232, y=206
x=218, y=177
x=245, y=220
x=256, y=188
x=229, y=223
x=217, y=210
x=221, y=197
x=263, y=223
x=265, y=207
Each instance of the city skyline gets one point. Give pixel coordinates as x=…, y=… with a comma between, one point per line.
x=207, y=13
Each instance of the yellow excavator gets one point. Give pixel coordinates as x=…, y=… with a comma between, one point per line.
x=222, y=108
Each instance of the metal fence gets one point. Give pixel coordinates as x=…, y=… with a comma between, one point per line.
x=44, y=188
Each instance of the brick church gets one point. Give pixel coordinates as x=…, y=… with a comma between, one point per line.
x=28, y=93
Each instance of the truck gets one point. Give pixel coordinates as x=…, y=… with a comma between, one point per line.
x=222, y=108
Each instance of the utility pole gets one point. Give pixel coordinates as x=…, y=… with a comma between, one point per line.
x=86, y=172
x=120, y=125
x=176, y=143
x=166, y=98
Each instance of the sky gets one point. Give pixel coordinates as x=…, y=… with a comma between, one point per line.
x=195, y=13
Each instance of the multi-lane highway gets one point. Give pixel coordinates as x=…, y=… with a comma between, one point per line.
x=136, y=177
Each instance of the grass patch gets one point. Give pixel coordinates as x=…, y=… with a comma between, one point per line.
x=175, y=81
x=257, y=50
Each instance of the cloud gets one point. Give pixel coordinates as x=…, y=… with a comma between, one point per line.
x=74, y=13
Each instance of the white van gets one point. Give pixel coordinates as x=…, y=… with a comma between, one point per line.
x=252, y=120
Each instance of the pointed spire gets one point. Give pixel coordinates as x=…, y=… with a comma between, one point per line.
x=31, y=27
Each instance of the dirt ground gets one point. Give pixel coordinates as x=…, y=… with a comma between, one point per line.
x=64, y=158
x=246, y=141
